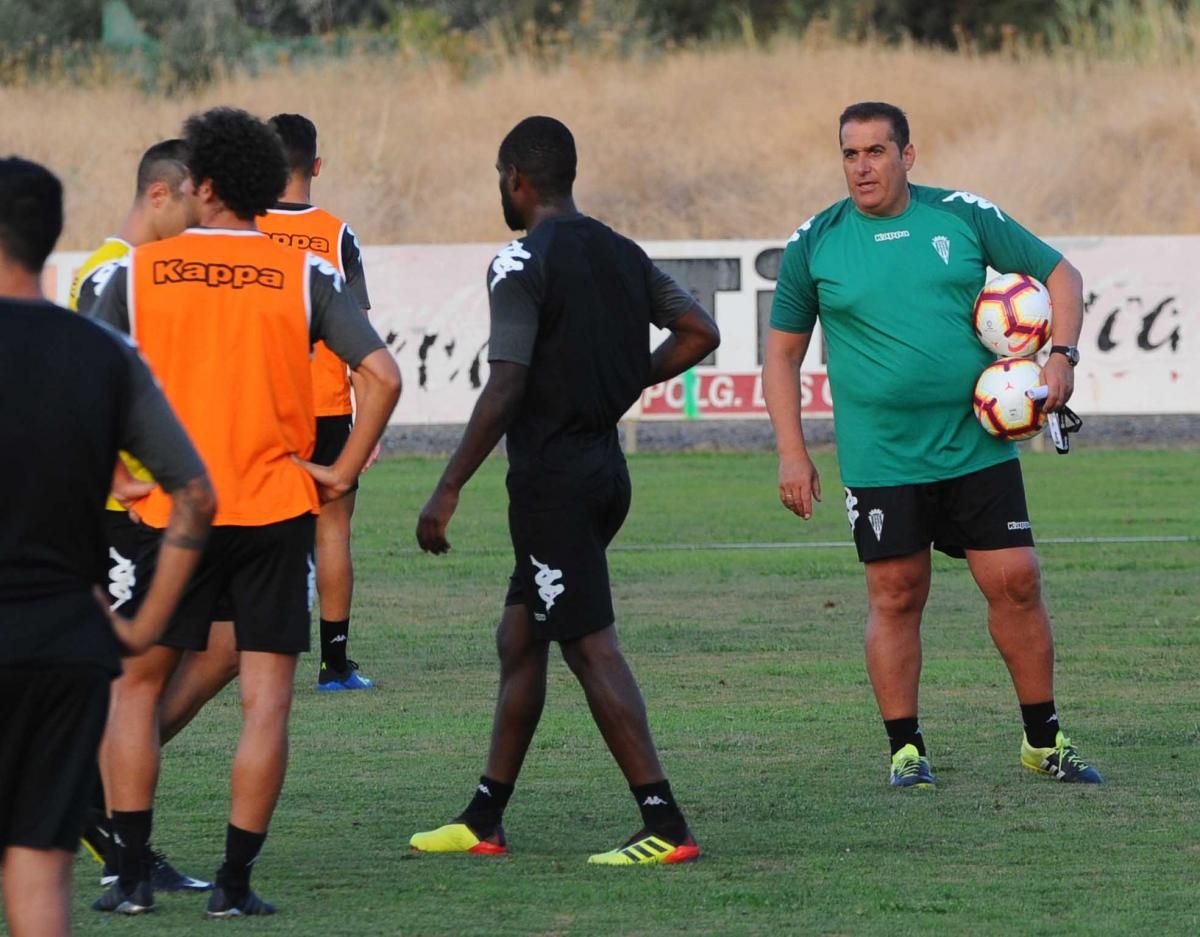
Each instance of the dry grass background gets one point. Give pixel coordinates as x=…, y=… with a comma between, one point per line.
x=730, y=142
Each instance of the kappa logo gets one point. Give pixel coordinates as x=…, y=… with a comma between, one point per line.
x=304, y=242
x=328, y=269
x=102, y=274
x=122, y=577
x=941, y=244
x=875, y=516
x=655, y=801
x=547, y=581
x=851, y=512
x=979, y=201
x=800, y=230
x=483, y=789
x=312, y=581
x=238, y=276
x=510, y=259
x=891, y=236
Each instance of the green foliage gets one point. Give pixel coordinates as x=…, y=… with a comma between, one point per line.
x=187, y=43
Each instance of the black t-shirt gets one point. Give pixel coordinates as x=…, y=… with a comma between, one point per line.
x=74, y=393
x=573, y=301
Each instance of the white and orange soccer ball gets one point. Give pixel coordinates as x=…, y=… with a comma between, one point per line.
x=1001, y=403
x=1013, y=315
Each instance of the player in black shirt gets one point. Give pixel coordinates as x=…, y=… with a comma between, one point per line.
x=571, y=307
x=75, y=392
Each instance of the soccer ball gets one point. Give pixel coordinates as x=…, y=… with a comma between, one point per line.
x=1001, y=405
x=1013, y=315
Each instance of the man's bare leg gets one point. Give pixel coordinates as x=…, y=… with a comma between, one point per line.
x=1011, y=582
x=200, y=676
x=37, y=891
x=335, y=587
x=259, y=768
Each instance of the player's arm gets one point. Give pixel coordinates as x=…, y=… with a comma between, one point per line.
x=156, y=438
x=86, y=293
x=694, y=334
x=793, y=314
x=356, y=283
x=1065, y=286
x=514, y=298
x=1011, y=248
x=338, y=321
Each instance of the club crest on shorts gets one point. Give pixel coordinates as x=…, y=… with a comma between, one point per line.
x=875, y=516
x=547, y=581
x=851, y=508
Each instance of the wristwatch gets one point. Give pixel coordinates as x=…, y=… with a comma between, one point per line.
x=1070, y=352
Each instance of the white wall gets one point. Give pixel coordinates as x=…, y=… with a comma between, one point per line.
x=1140, y=345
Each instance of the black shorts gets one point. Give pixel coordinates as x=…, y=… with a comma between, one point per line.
x=132, y=556
x=261, y=577
x=561, y=572
x=51, y=720
x=984, y=510
x=332, y=433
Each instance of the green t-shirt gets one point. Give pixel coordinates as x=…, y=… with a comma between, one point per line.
x=895, y=296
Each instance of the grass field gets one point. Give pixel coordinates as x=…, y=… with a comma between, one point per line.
x=752, y=667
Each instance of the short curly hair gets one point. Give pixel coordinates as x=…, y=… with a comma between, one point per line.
x=240, y=155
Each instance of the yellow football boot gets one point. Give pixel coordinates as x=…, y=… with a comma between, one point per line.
x=648, y=849
x=458, y=837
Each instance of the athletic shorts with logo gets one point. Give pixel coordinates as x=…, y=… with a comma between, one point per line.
x=561, y=572
x=53, y=717
x=263, y=577
x=132, y=556
x=983, y=510
x=332, y=433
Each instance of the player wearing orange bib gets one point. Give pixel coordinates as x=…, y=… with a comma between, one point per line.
x=296, y=222
x=226, y=319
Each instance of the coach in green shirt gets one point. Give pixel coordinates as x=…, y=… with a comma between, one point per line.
x=892, y=273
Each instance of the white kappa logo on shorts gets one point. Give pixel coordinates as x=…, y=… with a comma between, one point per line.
x=851, y=513
x=122, y=577
x=312, y=581
x=875, y=516
x=546, y=579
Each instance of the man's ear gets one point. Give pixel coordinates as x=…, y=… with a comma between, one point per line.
x=158, y=192
x=316, y=170
x=909, y=156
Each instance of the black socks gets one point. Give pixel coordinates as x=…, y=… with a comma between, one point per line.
x=1041, y=724
x=334, y=635
x=660, y=815
x=131, y=838
x=486, y=809
x=241, y=849
x=903, y=732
